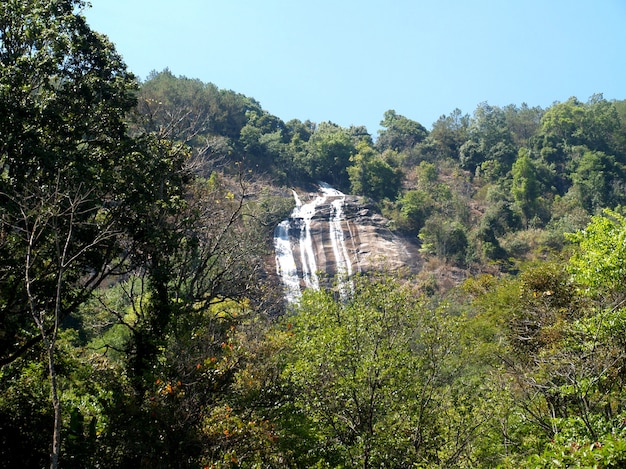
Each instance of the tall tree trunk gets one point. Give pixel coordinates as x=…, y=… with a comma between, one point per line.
x=56, y=405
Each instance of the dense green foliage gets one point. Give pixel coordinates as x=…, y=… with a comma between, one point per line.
x=140, y=325
x=490, y=177
x=380, y=378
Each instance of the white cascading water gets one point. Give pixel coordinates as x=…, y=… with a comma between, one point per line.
x=286, y=263
x=342, y=259
x=305, y=212
x=300, y=219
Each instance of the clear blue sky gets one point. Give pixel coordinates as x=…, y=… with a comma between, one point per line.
x=348, y=61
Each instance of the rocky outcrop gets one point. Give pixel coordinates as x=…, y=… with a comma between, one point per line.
x=330, y=233
x=369, y=242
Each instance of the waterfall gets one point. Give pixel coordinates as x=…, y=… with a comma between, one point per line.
x=294, y=275
x=328, y=234
x=337, y=238
x=286, y=263
x=342, y=259
x=304, y=214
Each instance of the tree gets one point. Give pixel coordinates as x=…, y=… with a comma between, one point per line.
x=399, y=133
x=371, y=375
x=328, y=154
x=182, y=110
x=264, y=143
x=499, y=218
x=599, y=263
x=55, y=221
x=471, y=155
x=74, y=187
x=415, y=207
x=359, y=134
x=490, y=143
x=523, y=122
x=593, y=181
x=525, y=185
x=447, y=239
x=569, y=332
x=175, y=324
x=555, y=137
x=600, y=124
x=449, y=133
x=562, y=121
x=371, y=175
x=565, y=358
x=199, y=115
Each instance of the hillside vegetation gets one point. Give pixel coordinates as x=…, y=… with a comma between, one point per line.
x=141, y=323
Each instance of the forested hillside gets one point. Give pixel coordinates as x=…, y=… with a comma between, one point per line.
x=142, y=324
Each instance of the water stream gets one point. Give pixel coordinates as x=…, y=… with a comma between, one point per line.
x=295, y=233
x=304, y=213
x=342, y=259
x=286, y=263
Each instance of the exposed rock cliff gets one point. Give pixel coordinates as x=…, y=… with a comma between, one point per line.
x=330, y=233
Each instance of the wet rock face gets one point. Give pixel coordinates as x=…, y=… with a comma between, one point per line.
x=330, y=233
x=377, y=245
